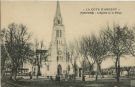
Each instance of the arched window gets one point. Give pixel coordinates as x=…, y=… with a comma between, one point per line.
x=57, y=58
x=58, y=21
x=48, y=67
x=59, y=70
x=60, y=33
x=57, y=41
x=57, y=33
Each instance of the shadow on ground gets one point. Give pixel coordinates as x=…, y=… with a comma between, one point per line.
x=71, y=83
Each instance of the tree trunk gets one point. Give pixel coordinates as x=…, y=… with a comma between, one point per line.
x=11, y=74
x=118, y=69
x=128, y=73
x=3, y=74
x=83, y=67
x=97, y=72
x=38, y=72
x=15, y=73
x=96, y=76
x=100, y=72
x=117, y=65
x=3, y=68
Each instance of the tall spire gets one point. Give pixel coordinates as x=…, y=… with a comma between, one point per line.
x=58, y=12
x=58, y=18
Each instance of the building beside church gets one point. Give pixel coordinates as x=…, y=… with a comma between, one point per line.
x=57, y=59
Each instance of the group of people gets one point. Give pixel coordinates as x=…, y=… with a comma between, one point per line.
x=58, y=78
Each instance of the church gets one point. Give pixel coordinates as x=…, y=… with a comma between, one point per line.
x=57, y=61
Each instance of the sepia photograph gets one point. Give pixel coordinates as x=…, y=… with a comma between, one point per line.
x=67, y=43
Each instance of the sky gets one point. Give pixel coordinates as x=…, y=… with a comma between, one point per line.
x=38, y=17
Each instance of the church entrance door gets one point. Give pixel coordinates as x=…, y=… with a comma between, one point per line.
x=59, y=70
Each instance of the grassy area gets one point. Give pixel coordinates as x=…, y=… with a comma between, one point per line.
x=47, y=83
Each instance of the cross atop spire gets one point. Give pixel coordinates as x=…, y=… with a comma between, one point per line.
x=58, y=18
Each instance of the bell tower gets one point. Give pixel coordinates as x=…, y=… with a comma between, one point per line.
x=57, y=51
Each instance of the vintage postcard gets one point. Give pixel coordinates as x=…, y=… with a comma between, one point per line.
x=67, y=43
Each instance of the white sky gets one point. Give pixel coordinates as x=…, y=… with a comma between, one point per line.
x=38, y=16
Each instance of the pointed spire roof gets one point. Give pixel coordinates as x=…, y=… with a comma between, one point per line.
x=58, y=18
x=58, y=12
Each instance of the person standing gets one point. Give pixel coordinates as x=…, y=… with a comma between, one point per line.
x=83, y=78
x=30, y=75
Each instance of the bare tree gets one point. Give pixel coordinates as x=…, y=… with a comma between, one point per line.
x=84, y=51
x=4, y=56
x=122, y=42
x=94, y=48
x=18, y=46
x=73, y=56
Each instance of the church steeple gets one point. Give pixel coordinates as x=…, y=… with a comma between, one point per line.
x=58, y=12
x=58, y=18
x=57, y=51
